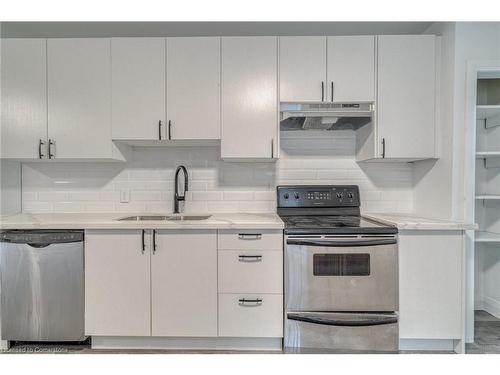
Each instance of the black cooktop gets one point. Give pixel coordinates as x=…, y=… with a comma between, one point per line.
x=325, y=209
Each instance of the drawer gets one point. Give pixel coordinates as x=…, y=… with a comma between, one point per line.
x=250, y=239
x=250, y=271
x=240, y=316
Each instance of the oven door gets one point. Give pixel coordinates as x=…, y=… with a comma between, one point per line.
x=342, y=331
x=348, y=273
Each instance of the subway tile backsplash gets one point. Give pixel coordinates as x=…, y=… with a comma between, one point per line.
x=322, y=157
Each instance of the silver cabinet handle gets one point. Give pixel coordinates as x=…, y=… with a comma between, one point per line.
x=250, y=258
x=51, y=143
x=249, y=236
x=159, y=130
x=332, y=91
x=322, y=91
x=40, y=144
x=383, y=148
x=250, y=302
x=169, y=129
x=272, y=148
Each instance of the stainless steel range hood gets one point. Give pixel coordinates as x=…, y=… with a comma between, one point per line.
x=325, y=116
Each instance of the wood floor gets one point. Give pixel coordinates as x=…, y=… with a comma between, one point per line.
x=486, y=334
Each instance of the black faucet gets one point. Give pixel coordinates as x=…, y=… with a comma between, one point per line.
x=177, y=197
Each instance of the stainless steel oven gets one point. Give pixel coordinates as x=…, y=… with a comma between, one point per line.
x=341, y=292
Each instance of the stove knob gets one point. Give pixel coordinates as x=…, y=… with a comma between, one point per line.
x=296, y=195
x=349, y=195
x=339, y=195
x=286, y=196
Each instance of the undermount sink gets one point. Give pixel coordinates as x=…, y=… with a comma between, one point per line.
x=163, y=217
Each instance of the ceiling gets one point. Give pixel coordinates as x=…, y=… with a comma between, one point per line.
x=138, y=29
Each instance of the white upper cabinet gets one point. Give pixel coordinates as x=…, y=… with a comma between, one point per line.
x=351, y=68
x=249, y=98
x=79, y=98
x=138, y=86
x=193, y=88
x=24, y=98
x=184, y=283
x=302, y=68
x=406, y=97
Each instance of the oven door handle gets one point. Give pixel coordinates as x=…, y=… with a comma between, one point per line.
x=313, y=318
x=342, y=243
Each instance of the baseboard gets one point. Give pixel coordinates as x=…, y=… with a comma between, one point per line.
x=428, y=344
x=188, y=343
x=492, y=306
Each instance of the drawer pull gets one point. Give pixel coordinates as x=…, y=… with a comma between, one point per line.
x=249, y=236
x=250, y=302
x=250, y=258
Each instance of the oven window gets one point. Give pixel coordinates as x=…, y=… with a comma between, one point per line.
x=341, y=264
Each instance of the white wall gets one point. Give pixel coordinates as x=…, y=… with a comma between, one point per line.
x=216, y=186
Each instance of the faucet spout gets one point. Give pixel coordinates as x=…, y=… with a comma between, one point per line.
x=177, y=197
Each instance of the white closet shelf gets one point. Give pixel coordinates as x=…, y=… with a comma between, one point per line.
x=489, y=113
x=488, y=196
x=486, y=237
x=487, y=154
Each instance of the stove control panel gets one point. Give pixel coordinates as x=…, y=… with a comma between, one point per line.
x=318, y=196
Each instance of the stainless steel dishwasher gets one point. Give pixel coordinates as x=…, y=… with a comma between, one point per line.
x=42, y=285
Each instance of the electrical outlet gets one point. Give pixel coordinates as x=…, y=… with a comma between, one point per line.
x=124, y=195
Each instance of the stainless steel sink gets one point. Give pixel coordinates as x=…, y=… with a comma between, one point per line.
x=163, y=218
x=187, y=217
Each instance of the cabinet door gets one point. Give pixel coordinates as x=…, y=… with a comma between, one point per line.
x=430, y=285
x=351, y=68
x=184, y=284
x=249, y=97
x=138, y=87
x=406, y=96
x=79, y=97
x=302, y=68
x=117, y=283
x=193, y=87
x=24, y=97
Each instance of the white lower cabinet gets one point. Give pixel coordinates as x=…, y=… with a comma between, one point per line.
x=117, y=284
x=431, y=274
x=251, y=315
x=168, y=283
x=250, y=283
x=184, y=283
x=250, y=271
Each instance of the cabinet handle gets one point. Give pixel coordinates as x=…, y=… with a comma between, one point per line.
x=169, y=129
x=250, y=258
x=143, y=244
x=51, y=143
x=249, y=236
x=159, y=130
x=272, y=148
x=40, y=144
x=383, y=148
x=322, y=91
x=154, y=241
x=250, y=302
x=332, y=91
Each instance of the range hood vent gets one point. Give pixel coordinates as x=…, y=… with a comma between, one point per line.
x=325, y=116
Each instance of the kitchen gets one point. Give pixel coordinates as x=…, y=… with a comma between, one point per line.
x=223, y=193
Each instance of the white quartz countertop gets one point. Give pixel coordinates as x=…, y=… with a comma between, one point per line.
x=413, y=222
x=109, y=221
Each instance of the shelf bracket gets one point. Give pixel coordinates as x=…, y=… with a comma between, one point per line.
x=491, y=122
